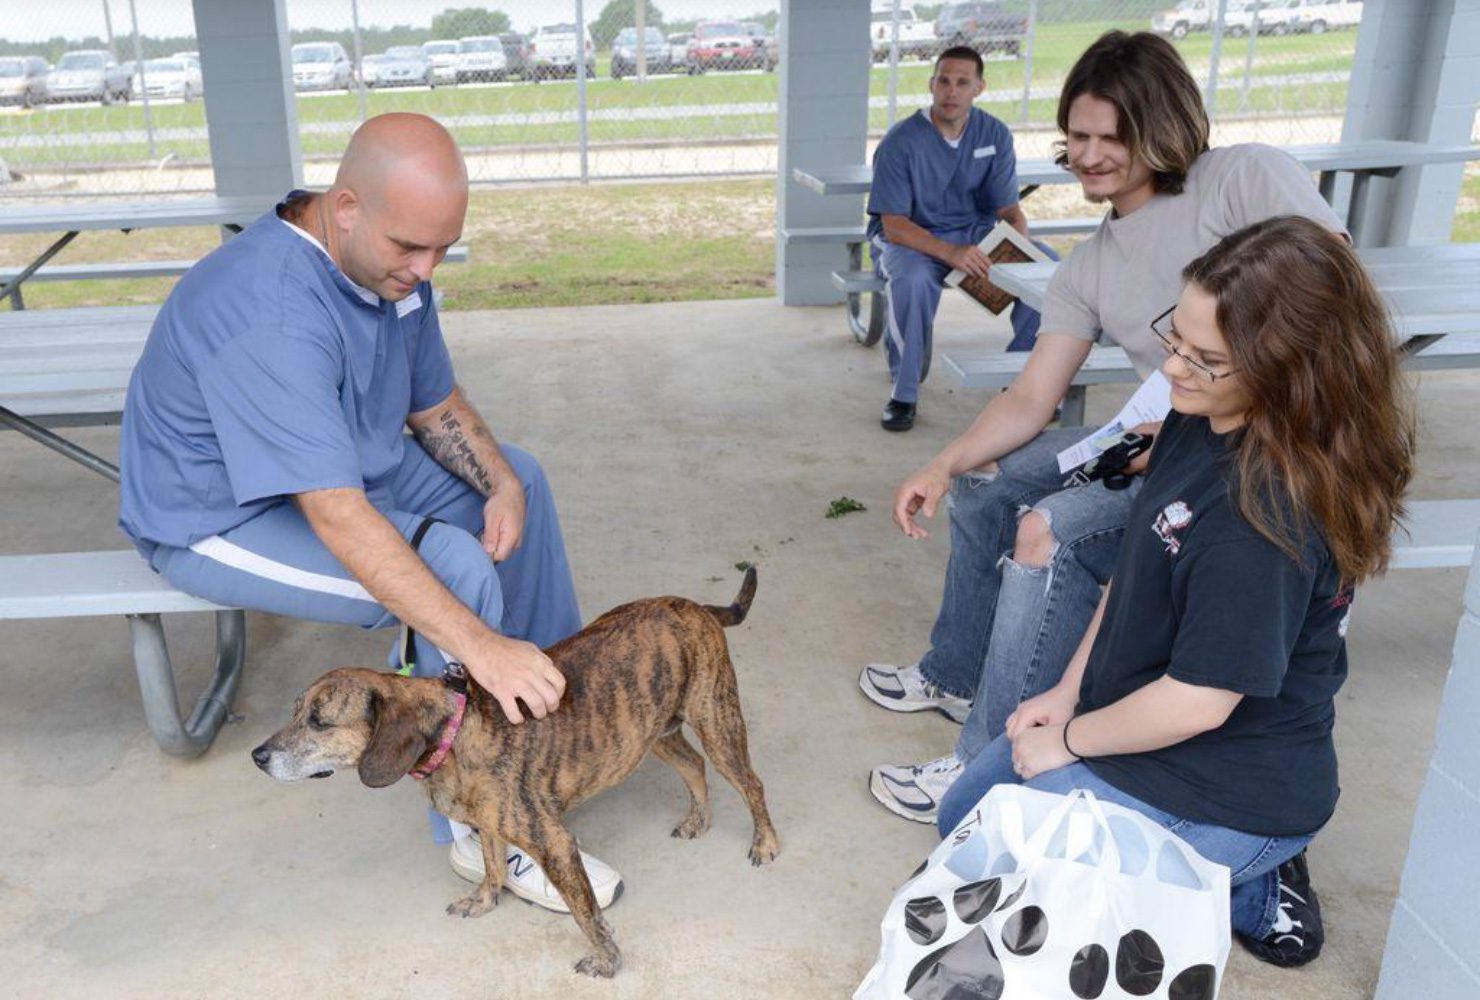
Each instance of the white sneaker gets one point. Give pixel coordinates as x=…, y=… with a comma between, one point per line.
x=525, y=879
x=906, y=689
x=914, y=791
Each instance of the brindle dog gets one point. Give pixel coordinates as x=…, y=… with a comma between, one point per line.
x=632, y=677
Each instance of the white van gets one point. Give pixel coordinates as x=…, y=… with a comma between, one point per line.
x=553, y=51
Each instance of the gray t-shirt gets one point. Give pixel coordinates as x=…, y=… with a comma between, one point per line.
x=1130, y=271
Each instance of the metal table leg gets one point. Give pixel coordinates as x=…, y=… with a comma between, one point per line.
x=868, y=335
x=175, y=735
x=12, y=290
x=1071, y=411
x=57, y=443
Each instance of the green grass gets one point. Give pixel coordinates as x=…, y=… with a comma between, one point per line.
x=1467, y=216
x=540, y=247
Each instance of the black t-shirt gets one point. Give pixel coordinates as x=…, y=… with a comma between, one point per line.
x=1201, y=597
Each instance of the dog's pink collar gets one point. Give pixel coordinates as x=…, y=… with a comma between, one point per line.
x=449, y=735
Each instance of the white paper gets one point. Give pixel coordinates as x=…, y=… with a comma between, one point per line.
x=1149, y=404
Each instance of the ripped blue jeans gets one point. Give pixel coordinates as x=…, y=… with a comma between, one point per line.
x=1006, y=631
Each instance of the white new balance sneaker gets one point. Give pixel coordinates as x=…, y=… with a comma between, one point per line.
x=914, y=791
x=527, y=880
x=906, y=689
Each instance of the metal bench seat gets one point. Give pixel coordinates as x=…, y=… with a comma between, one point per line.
x=75, y=584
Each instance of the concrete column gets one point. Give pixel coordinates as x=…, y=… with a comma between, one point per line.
x=1433, y=945
x=1416, y=76
x=251, y=116
x=825, y=60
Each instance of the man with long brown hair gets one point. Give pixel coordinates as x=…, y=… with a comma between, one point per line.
x=1028, y=557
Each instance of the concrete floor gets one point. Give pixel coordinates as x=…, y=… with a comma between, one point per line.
x=681, y=439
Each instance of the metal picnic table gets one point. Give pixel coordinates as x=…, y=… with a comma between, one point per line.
x=1363, y=159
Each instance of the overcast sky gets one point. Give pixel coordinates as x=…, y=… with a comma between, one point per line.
x=33, y=20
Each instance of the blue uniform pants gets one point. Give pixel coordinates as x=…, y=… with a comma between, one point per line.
x=275, y=562
x=915, y=281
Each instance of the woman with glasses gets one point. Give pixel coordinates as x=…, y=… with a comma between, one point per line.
x=1028, y=555
x=1202, y=694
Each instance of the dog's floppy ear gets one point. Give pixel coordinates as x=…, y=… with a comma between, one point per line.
x=396, y=741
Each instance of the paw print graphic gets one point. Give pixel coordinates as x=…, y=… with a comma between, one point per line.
x=970, y=966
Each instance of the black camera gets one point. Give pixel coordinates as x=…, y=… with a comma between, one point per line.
x=1109, y=465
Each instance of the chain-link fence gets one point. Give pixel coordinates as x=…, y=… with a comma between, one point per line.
x=671, y=87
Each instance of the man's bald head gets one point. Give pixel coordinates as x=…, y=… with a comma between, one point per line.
x=397, y=203
x=390, y=151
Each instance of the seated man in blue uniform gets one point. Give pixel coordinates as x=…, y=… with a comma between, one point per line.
x=266, y=462
x=942, y=180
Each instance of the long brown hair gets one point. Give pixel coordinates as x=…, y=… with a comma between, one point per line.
x=1328, y=437
x=1159, y=111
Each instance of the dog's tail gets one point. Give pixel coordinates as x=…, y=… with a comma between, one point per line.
x=735, y=613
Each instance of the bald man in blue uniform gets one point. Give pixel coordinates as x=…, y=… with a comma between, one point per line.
x=294, y=441
x=942, y=179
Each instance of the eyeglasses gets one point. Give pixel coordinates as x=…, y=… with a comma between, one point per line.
x=1162, y=327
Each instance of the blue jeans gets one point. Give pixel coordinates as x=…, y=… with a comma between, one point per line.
x=1252, y=859
x=1006, y=631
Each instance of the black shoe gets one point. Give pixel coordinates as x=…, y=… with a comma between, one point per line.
x=1298, y=933
x=898, y=416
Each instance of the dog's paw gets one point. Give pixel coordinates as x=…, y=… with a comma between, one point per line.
x=764, y=850
x=693, y=825
x=600, y=966
x=472, y=906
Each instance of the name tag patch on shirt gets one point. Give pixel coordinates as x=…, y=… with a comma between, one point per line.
x=982, y=151
x=410, y=303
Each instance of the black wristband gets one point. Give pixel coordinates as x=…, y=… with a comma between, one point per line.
x=1067, y=748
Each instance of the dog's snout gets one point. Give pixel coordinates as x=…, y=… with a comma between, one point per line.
x=261, y=756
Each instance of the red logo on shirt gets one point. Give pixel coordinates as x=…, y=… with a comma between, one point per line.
x=1174, y=517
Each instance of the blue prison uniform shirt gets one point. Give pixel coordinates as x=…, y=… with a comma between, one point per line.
x=268, y=373
x=942, y=188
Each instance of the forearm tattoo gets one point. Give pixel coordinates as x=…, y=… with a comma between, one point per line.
x=449, y=443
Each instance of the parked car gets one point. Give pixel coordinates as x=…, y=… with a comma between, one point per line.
x=481, y=57
x=405, y=66
x=170, y=78
x=370, y=69
x=321, y=66
x=723, y=45
x=1320, y=16
x=443, y=56
x=554, y=51
x=768, y=56
x=23, y=80
x=916, y=37
x=678, y=49
x=1273, y=17
x=984, y=26
x=516, y=55
x=88, y=75
x=624, y=52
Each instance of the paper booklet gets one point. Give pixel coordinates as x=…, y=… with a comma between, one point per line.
x=1003, y=245
x=1149, y=404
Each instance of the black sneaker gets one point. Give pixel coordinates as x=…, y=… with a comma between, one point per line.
x=898, y=416
x=1298, y=933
